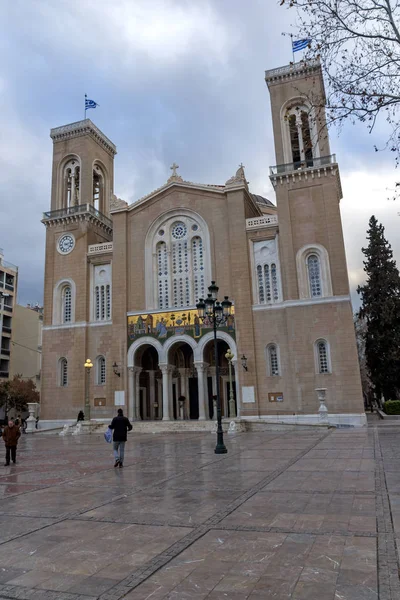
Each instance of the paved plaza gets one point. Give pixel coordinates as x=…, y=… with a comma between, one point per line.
x=305, y=514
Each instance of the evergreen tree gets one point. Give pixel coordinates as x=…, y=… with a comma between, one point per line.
x=381, y=310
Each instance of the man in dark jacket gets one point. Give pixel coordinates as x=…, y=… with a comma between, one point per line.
x=120, y=426
x=11, y=435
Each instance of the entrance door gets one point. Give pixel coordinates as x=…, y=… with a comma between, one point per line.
x=193, y=398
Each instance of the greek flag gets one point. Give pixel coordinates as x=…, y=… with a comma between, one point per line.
x=300, y=44
x=90, y=103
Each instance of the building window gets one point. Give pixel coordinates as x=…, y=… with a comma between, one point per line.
x=323, y=357
x=63, y=372
x=101, y=370
x=314, y=276
x=101, y=310
x=273, y=361
x=67, y=304
x=180, y=251
x=64, y=294
x=313, y=272
x=298, y=135
x=267, y=283
x=71, y=183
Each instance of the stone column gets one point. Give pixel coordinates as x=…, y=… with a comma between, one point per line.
x=152, y=384
x=166, y=371
x=235, y=385
x=201, y=368
x=137, y=391
x=131, y=394
x=184, y=392
x=72, y=197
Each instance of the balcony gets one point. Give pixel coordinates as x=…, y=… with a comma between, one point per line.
x=76, y=213
x=7, y=308
x=261, y=222
x=5, y=352
x=303, y=165
x=6, y=329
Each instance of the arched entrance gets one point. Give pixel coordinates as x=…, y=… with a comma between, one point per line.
x=159, y=373
x=224, y=380
x=149, y=397
x=184, y=382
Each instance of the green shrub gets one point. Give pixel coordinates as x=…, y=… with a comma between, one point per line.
x=392, y=407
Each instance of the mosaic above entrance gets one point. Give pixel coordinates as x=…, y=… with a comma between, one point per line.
x=163, y=325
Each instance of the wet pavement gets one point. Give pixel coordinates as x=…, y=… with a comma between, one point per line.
x=304, y=514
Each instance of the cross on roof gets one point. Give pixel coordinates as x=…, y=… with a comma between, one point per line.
x=173, y=169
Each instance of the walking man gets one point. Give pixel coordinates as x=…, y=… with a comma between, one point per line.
x=11, y=435
x=120, y=425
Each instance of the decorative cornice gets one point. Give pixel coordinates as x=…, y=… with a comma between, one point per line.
x=80, y=217
x=306, y=174
x=80, y=128
x=292, y=71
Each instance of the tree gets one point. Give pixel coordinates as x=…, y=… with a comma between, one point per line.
x=360, y=326
x=358, y=43
x=381, y=311
x=16, y=393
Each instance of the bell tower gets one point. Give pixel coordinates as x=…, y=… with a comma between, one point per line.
x=83, y=167
x=306, y=179
x=78, y=265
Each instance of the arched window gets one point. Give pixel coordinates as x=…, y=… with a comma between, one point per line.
x=314, y=276
x=101, y=293
x=64, y=294
x=66, y=300
x=100, y=370
x=71, y=183
x=63, y=372
x=273, y=360
x=322, y=356
x=179, y=246
x=299, y=132
x=99, y=184
x=267, y=269
x=313, y=271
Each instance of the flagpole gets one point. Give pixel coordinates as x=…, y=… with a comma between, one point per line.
x=85, y=105
x=291, y=39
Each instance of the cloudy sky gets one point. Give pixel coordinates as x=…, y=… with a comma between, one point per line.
x=176, y=80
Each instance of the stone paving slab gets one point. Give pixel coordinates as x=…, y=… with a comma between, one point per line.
x=302, y=515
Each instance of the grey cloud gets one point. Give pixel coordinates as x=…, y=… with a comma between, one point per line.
x=175, y=82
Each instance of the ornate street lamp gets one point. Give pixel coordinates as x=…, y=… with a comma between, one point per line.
x=88, y=365
x=217, y=313
x=232, y=407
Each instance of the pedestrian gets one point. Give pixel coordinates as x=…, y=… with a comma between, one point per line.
x=37, y=423
x=81, y=416
x=120, y=426
x=11, y=435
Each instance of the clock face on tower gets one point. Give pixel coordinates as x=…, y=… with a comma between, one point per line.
x=66, y=244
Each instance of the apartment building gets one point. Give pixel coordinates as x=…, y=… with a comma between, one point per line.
x=8, y=297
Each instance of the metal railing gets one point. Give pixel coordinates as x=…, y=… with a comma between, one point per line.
x=9, y=286
x=302, y=165
x=7, y=307
x=6, y=329
x=5, y=352
x=80, y=209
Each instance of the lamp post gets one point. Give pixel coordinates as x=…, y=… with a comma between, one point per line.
x=217, y=313
x=88, y=365
x=232, y=407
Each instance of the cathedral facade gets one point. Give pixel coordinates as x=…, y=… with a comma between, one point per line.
x=122, y=283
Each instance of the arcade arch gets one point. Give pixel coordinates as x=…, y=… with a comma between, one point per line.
x=160, y=374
